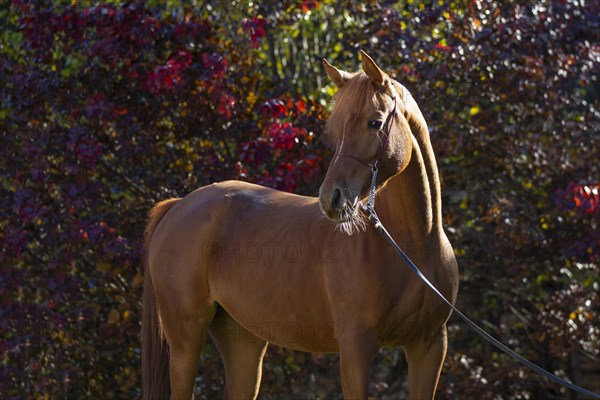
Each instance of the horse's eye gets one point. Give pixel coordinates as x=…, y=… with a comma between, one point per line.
x=375, y=124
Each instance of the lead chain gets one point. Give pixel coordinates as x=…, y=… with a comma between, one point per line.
x=371, y=200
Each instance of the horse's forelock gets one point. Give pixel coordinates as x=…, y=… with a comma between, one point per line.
x=351, y=99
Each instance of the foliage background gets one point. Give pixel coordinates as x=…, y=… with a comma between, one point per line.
x=108, y=108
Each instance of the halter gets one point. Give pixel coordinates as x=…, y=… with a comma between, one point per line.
x=373, y=165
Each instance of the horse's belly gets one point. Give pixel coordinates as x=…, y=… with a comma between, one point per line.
x=303, y=335
x=282, y=301
x=294, y=322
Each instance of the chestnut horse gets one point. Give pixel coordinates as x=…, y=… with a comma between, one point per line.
x=251, y=265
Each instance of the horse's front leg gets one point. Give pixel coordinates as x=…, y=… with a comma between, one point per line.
x=425, y=359
x=357, y=352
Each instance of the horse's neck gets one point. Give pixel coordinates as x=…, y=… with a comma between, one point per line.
x=420, y=132
x=409, y=204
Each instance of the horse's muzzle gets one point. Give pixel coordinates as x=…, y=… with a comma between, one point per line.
x=337, y=203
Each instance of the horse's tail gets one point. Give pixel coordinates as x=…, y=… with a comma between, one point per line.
x=155, y=352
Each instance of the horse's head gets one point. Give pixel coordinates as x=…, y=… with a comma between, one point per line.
x=367, y=125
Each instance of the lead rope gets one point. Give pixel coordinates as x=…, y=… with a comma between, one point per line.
x=369, y=208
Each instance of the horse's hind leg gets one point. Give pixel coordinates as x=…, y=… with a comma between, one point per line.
x=242, y=353
x=186, y=337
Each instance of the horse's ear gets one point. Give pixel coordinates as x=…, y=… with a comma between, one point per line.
x=372, y=70
x=338, y=77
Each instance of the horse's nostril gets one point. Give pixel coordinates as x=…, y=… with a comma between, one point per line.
x=335, y=198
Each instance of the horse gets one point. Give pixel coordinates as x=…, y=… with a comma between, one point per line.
x=249, y=265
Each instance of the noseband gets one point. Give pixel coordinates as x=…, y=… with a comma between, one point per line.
x=373, y=165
